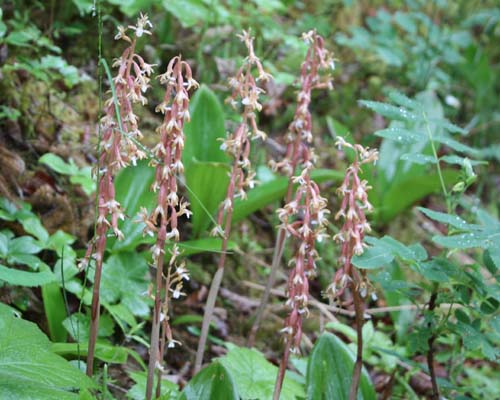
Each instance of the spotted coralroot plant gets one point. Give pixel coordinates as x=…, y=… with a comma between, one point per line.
x=237, y=145
x=318, y=60
x=163, y=221
x=304, y=215
x=118, y=147
x=353, y=209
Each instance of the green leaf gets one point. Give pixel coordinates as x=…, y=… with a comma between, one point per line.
x=474, y=340
x=456, y=145
x=205, y=245
x=24, y=278
x=28, y=368
x=169, y=390
x=205, y=165
x=490, y=263
x=33, y=226
x=329, y=372
x=401, y=135
x=198, y=11
x=23, y=245
x=124, y=279
x=207, y=184
x=58, y=164
x=211, y=383
x=463, y=240
x=453, y=220
x=485, y=236
x=255, y=377
x=373, y=257
x=103, y=351
x=418, y=158
x=390, y=111
x=55, y=311
x=415, y=252
x=205, y=129
x=275, y=190
x=132, y=192
x=414, y=189
x=78, y=326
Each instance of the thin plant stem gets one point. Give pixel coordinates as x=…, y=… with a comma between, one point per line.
x=430, y=351
x=433, y=298
x=95, y=308
x=359, y=316
x=91, y=347
x=215, y=286
x=163, y=337
x=245, y=92
x=277, y=254
x=282, y=370
x=155, y=329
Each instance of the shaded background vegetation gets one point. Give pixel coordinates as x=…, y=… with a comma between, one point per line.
x=443, y=53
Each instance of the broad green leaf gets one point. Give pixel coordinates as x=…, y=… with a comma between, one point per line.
x=55, y=311
x=131, y=8
x=197, y=246
x=414, y=189
x=84, y=6
x=255, y=377
x=24, y=278
x=401, y=135
x=28, y=367
x=61, y=243
x=456, y=145
x=78, y=326
x=205, y=245
x=169, y=390
x=121, y=315
x=103, y=351
x=198, y=11
x=453, y=220
x=275, y=190
x=23, y=245
x=373, y=257
x=493, y=255
x=204, y=131
x=207, y=185
x=132, y=192
x=329, y=372
x=58, y=164
x=383, y=251
x=466, y=240
x=402, y=100
x=211, y=383
x=432, y=271
x=489, y=261
x=415, y=252
x=390, y=111
x=22, y=212
x=418, y=158
x=485, y=236
x=205, y=164
x=474, y=340
x=453, y=159
x=391, y=167
x=125, y=279
x=33, y=226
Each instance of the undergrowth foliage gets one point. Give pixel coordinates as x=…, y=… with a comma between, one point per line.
x=440, y=292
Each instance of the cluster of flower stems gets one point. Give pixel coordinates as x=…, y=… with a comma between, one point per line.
x=303, y=216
